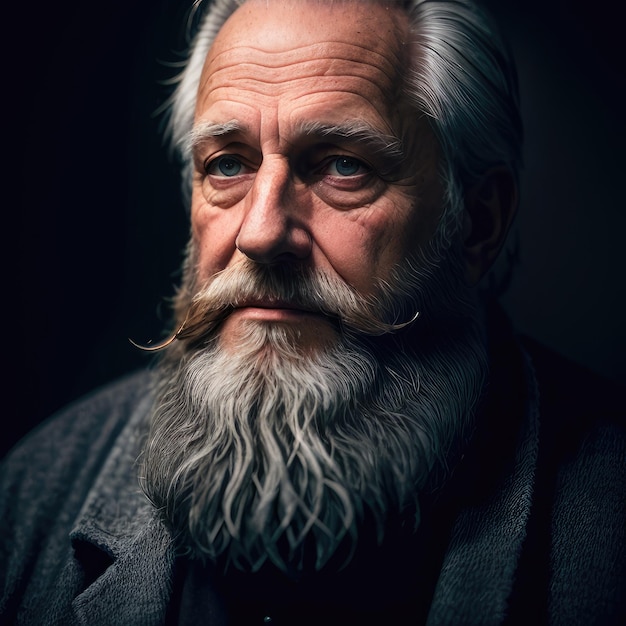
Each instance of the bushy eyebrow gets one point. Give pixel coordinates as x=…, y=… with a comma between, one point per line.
x=207, y=130
x=387, y=147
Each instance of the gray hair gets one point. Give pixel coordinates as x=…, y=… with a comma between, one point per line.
x=463, y=79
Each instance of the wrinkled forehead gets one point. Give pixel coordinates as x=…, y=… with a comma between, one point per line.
x=370, y=32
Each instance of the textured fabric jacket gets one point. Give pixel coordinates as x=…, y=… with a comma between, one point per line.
x=538, y=535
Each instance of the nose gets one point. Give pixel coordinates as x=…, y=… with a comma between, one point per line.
x=273, y=228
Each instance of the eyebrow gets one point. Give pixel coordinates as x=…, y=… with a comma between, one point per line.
x=359, y=132
x=207, y=130
x=384, y=146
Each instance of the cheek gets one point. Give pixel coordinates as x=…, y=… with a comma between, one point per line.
x=214, y=232
x=368, y=244
x=413, y=224
x=358, y=246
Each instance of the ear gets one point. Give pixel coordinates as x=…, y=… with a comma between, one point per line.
x=490, y=206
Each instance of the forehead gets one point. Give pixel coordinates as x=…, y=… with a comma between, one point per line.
x=278, y=25
x=307, y=50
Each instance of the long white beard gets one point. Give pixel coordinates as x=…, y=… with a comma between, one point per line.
x=259, y=454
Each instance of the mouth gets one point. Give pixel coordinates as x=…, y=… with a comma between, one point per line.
x=276, y=310
x=299, y=325
x=267, y=303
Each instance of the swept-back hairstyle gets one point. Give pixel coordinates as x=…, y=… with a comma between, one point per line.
x=462, y=77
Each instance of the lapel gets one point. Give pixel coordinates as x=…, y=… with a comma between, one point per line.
x=478, y=571
x=119, y=523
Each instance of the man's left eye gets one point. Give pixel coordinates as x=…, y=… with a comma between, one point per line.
x=226, y=165
x=344, y=166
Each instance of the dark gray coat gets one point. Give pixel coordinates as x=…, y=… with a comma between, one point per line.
x=539, y=537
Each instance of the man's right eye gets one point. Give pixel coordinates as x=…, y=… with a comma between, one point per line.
x=225, y=165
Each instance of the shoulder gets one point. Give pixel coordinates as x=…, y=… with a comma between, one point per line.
x=54, y=465
x=567, y=385
x=582, y=420
x=582, y=412
x=45, y=481
x=85, y=424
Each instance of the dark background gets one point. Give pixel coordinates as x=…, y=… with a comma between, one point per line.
x=95, y=228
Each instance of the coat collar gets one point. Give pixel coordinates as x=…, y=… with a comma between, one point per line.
x=481, y=560
x=118, y=520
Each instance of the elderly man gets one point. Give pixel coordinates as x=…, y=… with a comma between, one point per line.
x=340, y=428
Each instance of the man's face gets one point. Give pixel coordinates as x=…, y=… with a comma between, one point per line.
x=305, y=153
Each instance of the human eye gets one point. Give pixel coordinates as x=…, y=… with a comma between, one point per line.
x=343, y=166
x=225, y=178
x=225, y=166
x=343, y=181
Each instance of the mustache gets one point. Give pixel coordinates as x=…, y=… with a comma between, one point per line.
x=251, y=284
